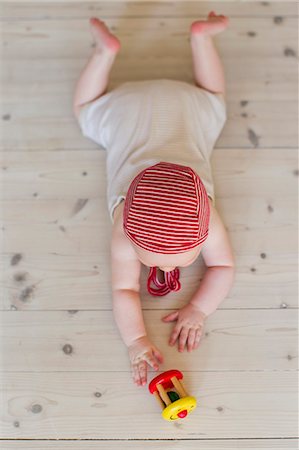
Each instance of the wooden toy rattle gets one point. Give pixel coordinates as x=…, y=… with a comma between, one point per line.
x=171, y=395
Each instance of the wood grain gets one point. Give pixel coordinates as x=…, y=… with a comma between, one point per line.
x=105, y=405
x=65, y=374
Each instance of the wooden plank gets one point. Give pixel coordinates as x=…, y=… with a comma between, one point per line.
x=71, y=212
x=177, y=444
x=34, y=85
x=90, y=239
x=53, y=281
x=30, y=40
x=270, y=103
x=67, y=340
x=74, y=175
x=268, y=119
x=107, y=405
x=83, y=9
x=58, y=280
x=252, y=80
x=259, y=124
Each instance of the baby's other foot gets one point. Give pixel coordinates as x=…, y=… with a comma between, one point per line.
x=104, y=40
x=213, y=25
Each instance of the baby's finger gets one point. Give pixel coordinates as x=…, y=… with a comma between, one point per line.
x=135, y=372
x=191, y=339
x=142, y=372
x=183, y=338
x=158, y=355
x=151, y=360
x=174, y=335
x=197, y=338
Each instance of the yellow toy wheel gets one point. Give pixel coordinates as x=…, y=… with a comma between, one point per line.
x=179, y=409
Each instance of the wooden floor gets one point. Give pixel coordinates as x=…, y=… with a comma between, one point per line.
x=65, y=377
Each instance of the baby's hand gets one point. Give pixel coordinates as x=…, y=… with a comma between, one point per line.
x=189, y=327
x=141, y=353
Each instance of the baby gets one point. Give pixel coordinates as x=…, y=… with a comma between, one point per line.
x=159, y=136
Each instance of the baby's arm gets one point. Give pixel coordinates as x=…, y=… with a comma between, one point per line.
x=126, y=269
x=125, y=275
x=219, y=276
x=213, y=289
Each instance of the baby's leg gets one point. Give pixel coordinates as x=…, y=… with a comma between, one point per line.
x=94, y=78
x=207, y=66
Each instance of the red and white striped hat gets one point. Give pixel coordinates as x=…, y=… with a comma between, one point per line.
x=167, y=209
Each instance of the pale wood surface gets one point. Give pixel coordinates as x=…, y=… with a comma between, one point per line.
x=161, y=9
x=65, y=371
x=217, y=444
x=233, y=340
x=267, y=119
x=63, y=240
x=104, y=404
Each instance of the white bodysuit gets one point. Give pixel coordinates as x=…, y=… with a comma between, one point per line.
x=141, y=123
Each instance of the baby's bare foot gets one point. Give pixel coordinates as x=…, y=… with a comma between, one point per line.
x=213, y=25
x=104, y=40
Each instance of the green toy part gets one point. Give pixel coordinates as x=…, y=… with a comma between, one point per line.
x=173, y=396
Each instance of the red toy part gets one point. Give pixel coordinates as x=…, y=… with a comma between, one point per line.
x=183, y=414
x=164, y=379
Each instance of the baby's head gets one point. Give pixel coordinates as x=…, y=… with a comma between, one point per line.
x=166, y=215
